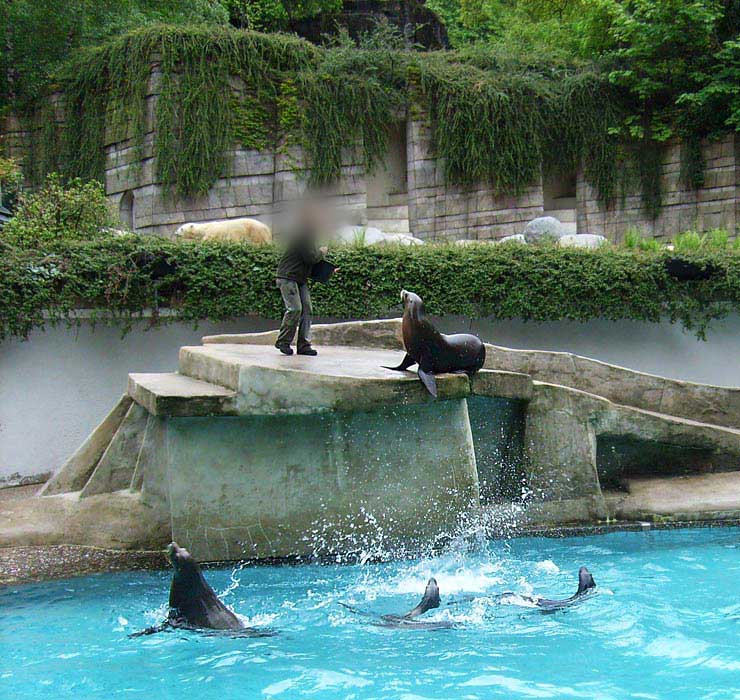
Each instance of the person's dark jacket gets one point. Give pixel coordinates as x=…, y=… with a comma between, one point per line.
x=298, y=259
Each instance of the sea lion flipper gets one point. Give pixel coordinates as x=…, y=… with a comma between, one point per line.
x=428, y=380
x=150, y=630
x=405, y=364
x=429, y=601
x=585, y=581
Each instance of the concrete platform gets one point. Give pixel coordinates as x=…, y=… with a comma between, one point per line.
x=245, y=452
x=717, y=405
x=339, y=378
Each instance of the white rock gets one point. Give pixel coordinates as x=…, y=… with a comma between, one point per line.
x=544, y=228
x=582, y=240
x=516, y=238
x=369, y=235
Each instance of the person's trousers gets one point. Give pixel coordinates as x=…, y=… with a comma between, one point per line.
x=297, y=315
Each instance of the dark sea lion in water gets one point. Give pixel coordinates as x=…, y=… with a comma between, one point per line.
x=193, y=603
x=435, y=352
x=586, y=586
x=429, y=601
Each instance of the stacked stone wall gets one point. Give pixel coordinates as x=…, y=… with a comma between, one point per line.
x=259, y=181
x=442, y=211
x=256, y=182
x=714, y=205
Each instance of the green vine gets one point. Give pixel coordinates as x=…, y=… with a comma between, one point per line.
x=498, y=123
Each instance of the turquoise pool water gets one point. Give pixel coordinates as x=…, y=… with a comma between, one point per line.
x=665, y=624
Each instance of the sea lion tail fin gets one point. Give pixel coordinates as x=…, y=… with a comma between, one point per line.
x=585, y=581
x=429, y=601
x=428, y=380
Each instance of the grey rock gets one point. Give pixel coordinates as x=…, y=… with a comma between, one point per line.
x=543, y=228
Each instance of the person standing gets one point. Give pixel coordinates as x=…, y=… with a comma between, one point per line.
x=293, y=272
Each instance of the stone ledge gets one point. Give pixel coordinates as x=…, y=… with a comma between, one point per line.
x=173, y=394
x=688, y=497
x=704, y=402
x=503, y=385
x=609, y=418
x=709, y=404
x=340, y=378
x=119, y=520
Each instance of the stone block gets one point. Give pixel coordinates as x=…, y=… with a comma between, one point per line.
x=338, y=379
x=560, y=446
x=499, y=384
x=304, y=485
x=172, y=394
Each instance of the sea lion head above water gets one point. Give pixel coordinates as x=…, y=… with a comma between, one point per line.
x=193, y=602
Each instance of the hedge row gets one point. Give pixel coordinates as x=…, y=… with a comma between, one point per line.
x=120, y=278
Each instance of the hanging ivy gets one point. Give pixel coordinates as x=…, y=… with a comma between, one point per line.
x=493, y=123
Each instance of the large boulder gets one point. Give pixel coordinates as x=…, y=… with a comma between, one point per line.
x=544, y=228
x=582, y=240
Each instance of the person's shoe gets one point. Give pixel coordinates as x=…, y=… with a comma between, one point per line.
x=308, y=351
x=285, y=349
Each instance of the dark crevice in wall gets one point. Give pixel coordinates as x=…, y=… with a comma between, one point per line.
x=498, y=439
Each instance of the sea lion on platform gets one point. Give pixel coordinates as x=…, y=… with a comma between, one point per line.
x=429, y=601
x=193, y=603
x=435, y=352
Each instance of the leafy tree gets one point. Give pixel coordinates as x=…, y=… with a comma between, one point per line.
x=38, y=34
x=76, y=211
x=274, y=15
x=659, y=48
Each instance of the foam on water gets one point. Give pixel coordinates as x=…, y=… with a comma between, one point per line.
x=660, y=627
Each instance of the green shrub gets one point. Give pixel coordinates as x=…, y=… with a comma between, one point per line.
x=77, y=211
x=717, y=238
x=691, y=241
x=687, y=242
x=634, y=240
x=124, y=275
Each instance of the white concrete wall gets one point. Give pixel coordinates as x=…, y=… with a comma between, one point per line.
x=55, y=387
x=58, y=385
